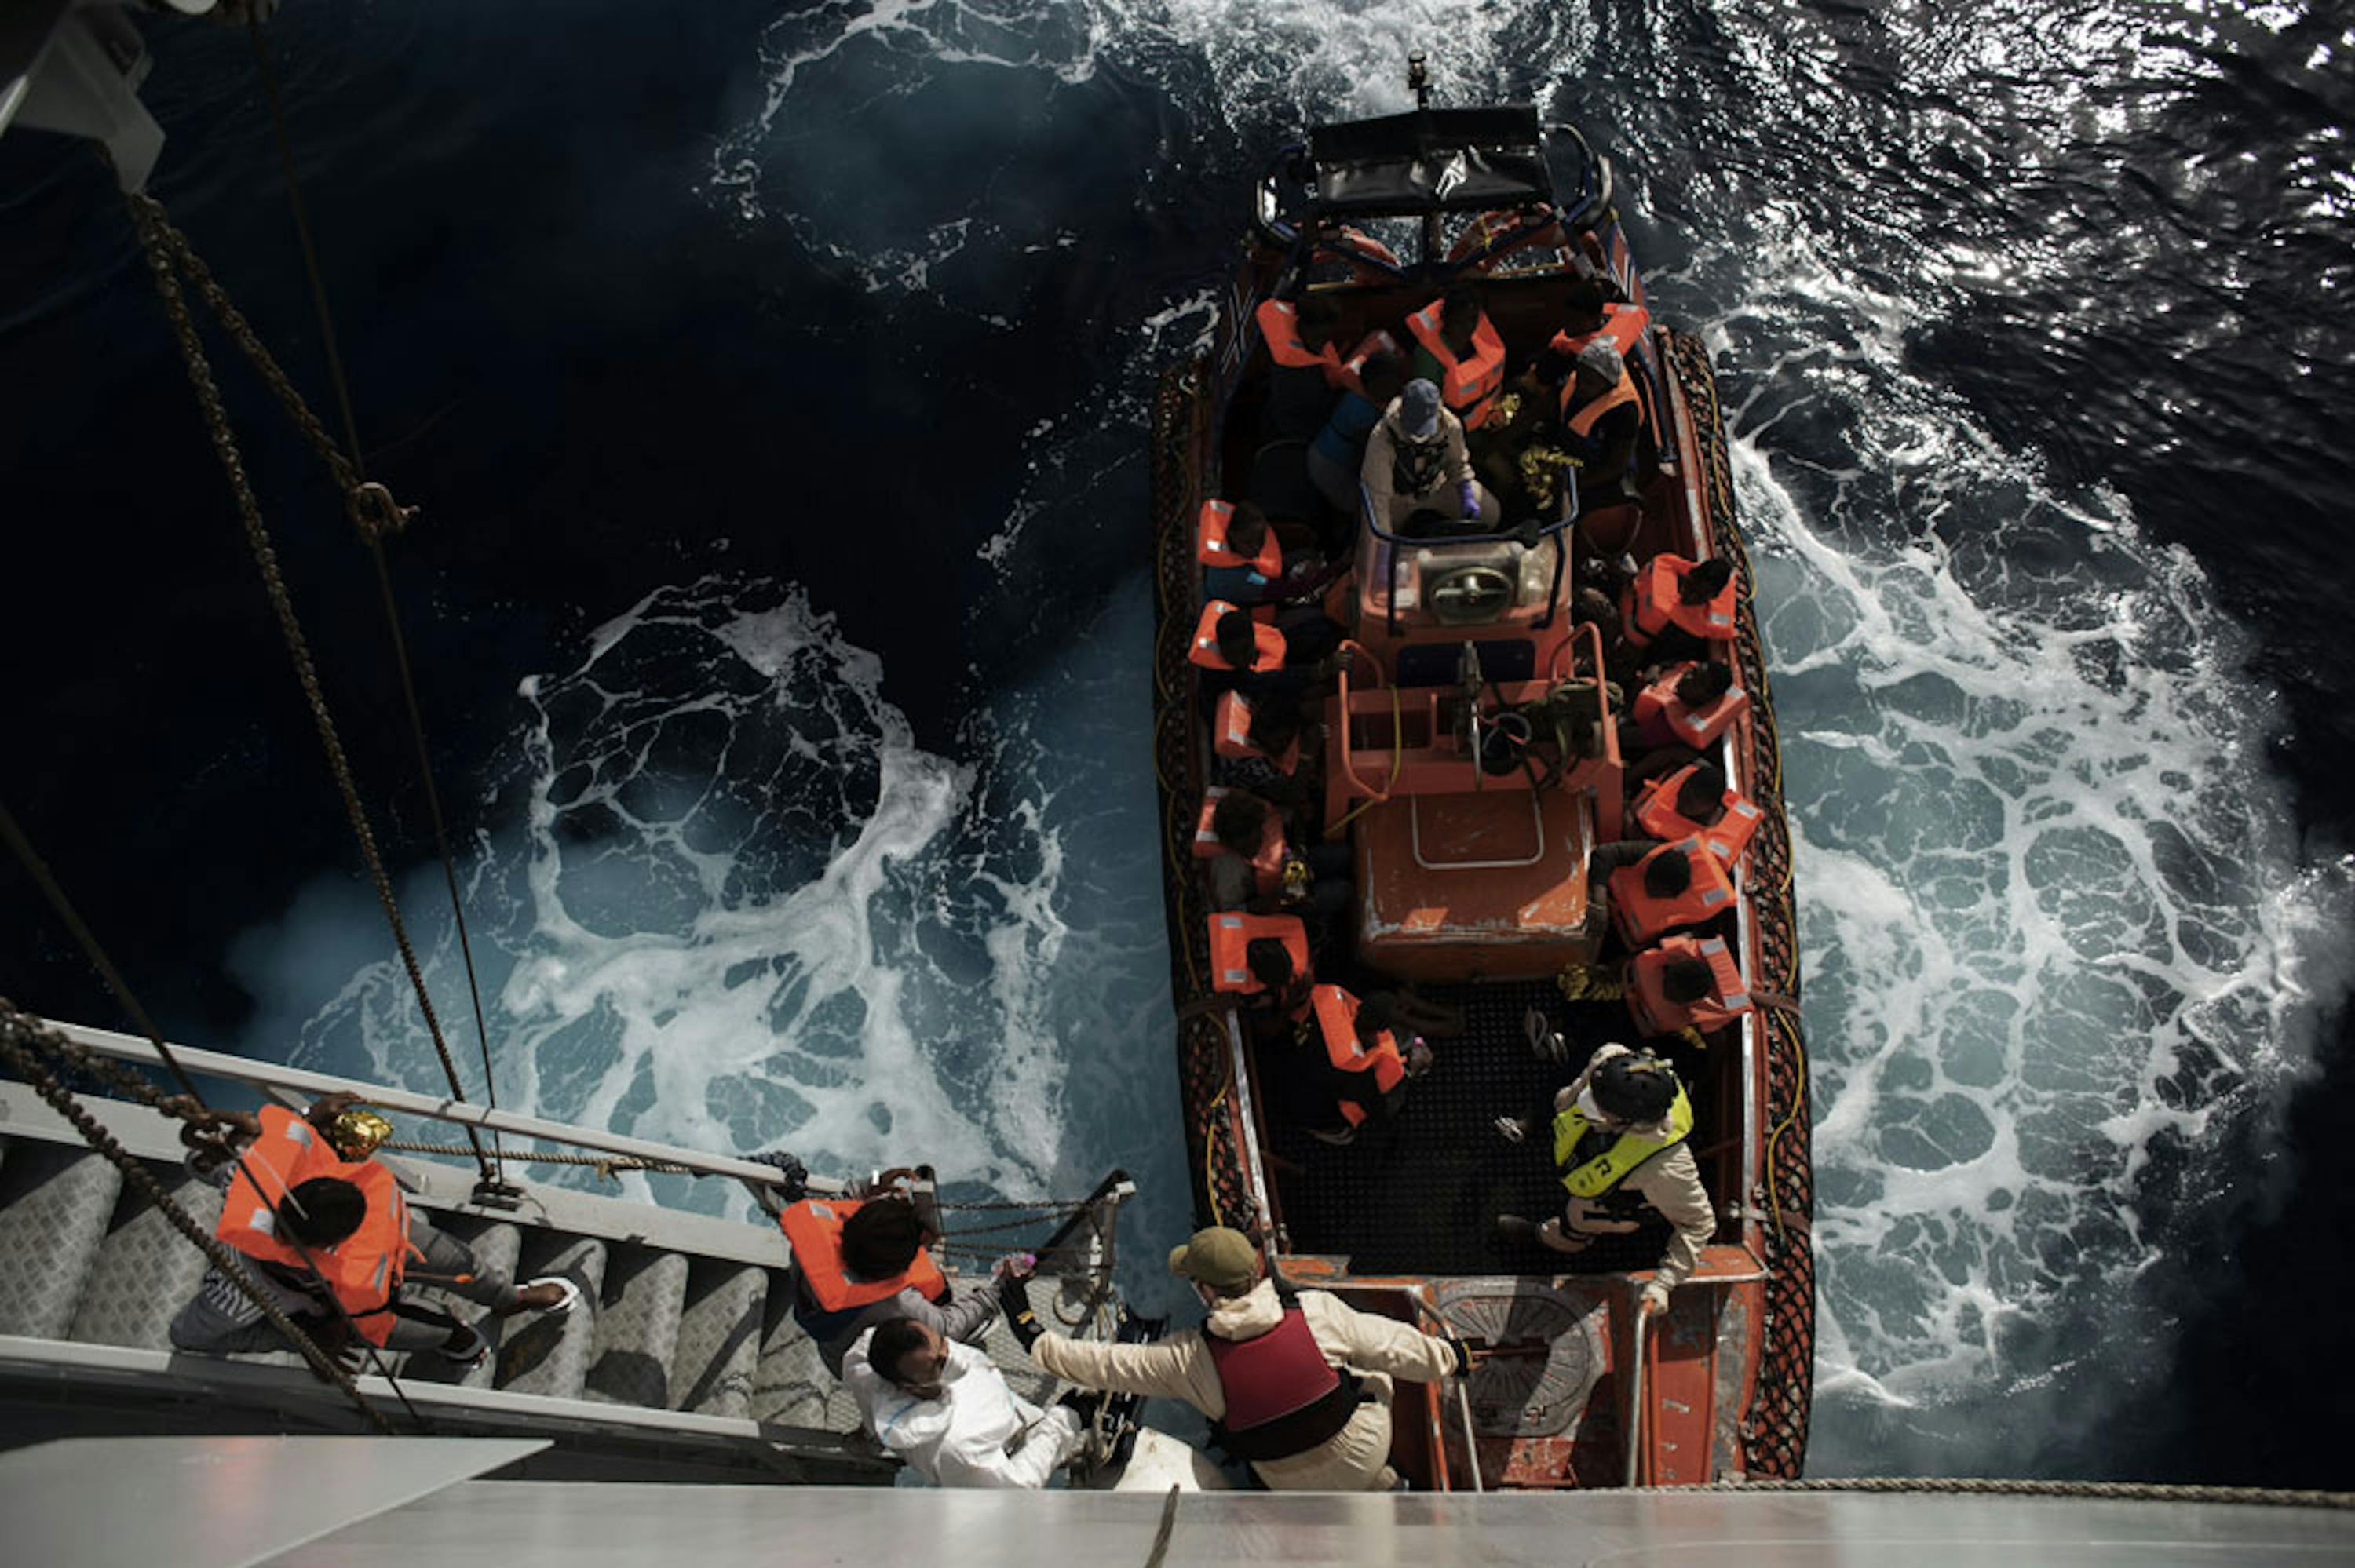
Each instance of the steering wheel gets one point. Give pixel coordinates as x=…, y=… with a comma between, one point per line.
x=1470, y=594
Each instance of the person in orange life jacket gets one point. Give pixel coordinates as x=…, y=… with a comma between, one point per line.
x=1273, y=731
x=1298, y=1383
x=881, y=1243
x=1701, y=596
x=1337, y=454
x=1644, y=887
x=1601, y=419
x=1621, y=1135
x=1464, y=335
x=1651, y=726
x=1675, y=803
x=1325, y=1087
x=1672, y=988
x=1316, y=878
x=1416, y=463
x=1247, y=585
x=321, y=1213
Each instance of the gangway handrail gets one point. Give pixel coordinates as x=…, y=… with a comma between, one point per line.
x=275, y=1074
x=1636, y=1400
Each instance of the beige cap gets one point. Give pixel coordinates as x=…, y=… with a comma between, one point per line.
x=1222, y=1258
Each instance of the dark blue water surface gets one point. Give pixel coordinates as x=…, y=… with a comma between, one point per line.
x=804, y=350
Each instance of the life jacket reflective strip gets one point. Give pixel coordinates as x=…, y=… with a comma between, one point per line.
x=1652, y=604
x=1584, y=421
x=1656, y=814
x=1210, y=543
x=1640, y=917
x=814, y=1228
x=1647, y=997
x=1353, y=369
x=1698, y=727
x=1282, y=1397
x=1628, y=1151
x=364, y=1270
x=1267, y=865
x=1336, y=1022
x=1231, y=733
x=1279, y=324
x=1231, y=939
x=1471, y=383
x=1624, y=325
x=1266, y=641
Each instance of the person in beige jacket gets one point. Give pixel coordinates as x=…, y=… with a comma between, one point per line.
x=1633, y=1102
x=1416, y=461
x=1339, y=1412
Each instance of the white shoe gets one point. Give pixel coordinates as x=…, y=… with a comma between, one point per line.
x=571, y=1294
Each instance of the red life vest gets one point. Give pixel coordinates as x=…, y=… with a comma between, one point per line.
x=1582, y=423
x=1664, y=718
x=1651, y=604
x=1728, y=837
x=1648, y=998
x=1267, y=864
x=1640, y=917
x=1232, y=936
x=1470, y=384
x=1624, y=325
x=363, y=1270
x=1231, y=733
x=1210, y=543
x=814, y=1227
x=1279, y=323
x=1353, y=369
x=1282, y=1397
x=1266, y=641
x=1336, y=1021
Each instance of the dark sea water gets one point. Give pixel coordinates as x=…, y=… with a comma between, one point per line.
x=772, y=379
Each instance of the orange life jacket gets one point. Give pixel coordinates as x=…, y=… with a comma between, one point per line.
x=1640, y=917
x=1266, y=641
x=1353, y=369
x=1266, y=864
x=1231, y=733
x=1210, y=543
x=1652, y=604
x=1582, y=423
x=1336, y=1021
x=1279, y=324
x=363, y=1270
x=1697, y=727
x=1232, y=936
x=814, y=1227
x=1470, y=384
x=1728, y=837
x=1624, y=325
x=1648, y=998
x=1491, y=226
x=1369, y=260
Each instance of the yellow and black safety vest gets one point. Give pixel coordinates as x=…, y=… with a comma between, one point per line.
x=1598, y=1174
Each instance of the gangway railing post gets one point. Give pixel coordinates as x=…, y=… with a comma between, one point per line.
x=1636, y=1398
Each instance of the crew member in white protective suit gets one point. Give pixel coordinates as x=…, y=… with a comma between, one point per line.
x=945, y=1408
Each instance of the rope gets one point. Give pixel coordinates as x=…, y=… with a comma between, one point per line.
x=165, y=247
x=373, y=538
x=2118, y=1491
x=610, y=1166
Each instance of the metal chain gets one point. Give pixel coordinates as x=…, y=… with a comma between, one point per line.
x=2126, y=1491
x=610, y=1166
x=19, y=1033
x=163, y=245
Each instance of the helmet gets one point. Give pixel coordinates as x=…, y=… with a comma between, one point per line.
x=1635, y=1087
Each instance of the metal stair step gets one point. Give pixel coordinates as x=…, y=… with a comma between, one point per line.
x=544, y=1355
x=718, y=1349
x=55, y=1202
x=145, y=1269
x=637, y=1327
x=790, y=1384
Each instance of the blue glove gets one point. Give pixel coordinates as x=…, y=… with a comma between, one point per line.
x=1470, y=492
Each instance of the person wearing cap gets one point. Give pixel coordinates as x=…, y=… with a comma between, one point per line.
x=1296, y=1383
x=1600, y=418
x=1416, y=461
x=1621, y=1136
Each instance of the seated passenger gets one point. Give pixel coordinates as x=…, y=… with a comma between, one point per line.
x=1261, y=956
x=1243, y=563
x=946, y=1409
x=1688, y=704
x=1680, y=987
x=1256, y=747
x=1250, y=866
x=1457, y=348
x=1620, y=325
x=1649, y=889
x=1620, y=1134
x=1695, y=801
x=1337, y=455
x=1416, y=461
x=1300, y=337
x=1367, y=1064
x=1601, y=418
x=1676, y=607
